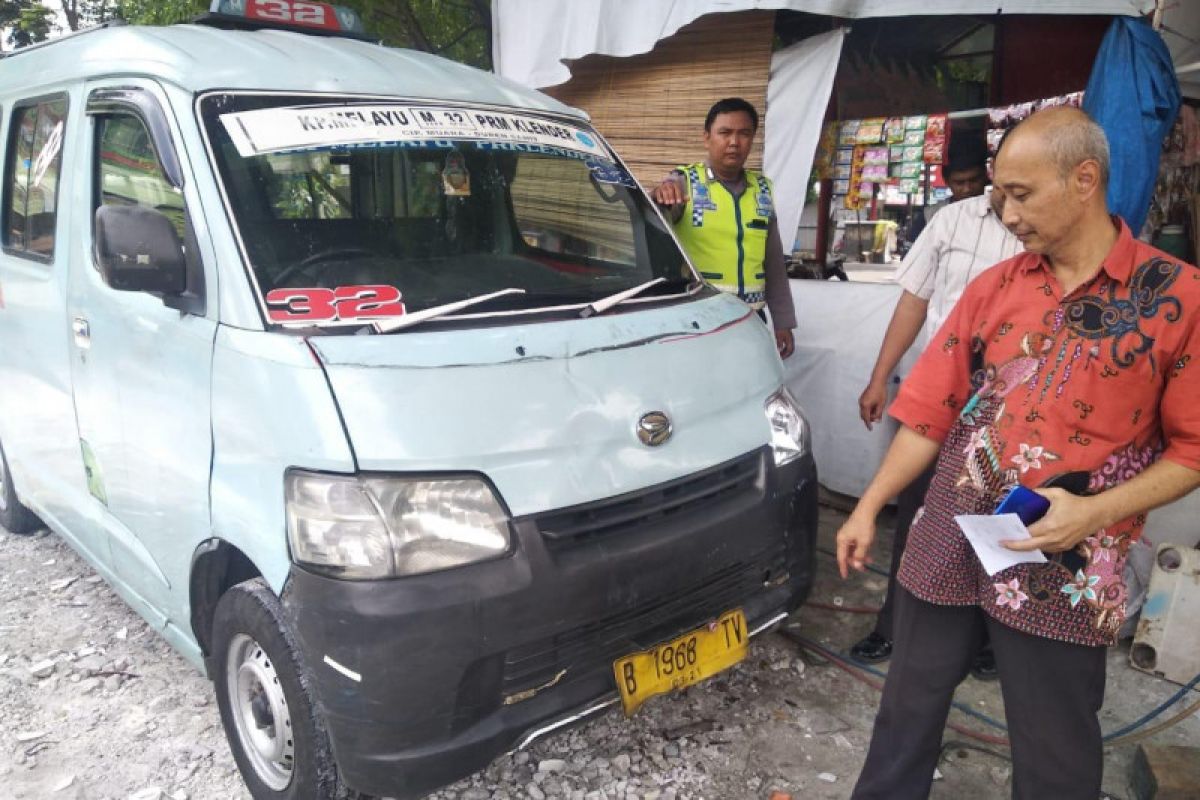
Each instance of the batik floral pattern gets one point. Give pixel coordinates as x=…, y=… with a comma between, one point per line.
x=1082, y=588
x=1106, y=554
x=1031, y=457
x=1102, y=547
x=1123, y=465
x=1119, y=320
x=1010, y=594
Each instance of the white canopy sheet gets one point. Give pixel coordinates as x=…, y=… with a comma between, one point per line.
x=839, y=329
x=532, y=38
x=797, y=93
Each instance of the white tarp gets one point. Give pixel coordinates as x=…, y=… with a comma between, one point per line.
x=839, y=327
x=531, y=38
x=797, y=93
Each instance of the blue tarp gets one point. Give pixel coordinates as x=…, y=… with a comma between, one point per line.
x=1134, y=95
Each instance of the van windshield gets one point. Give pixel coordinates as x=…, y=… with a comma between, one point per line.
x=355, y=211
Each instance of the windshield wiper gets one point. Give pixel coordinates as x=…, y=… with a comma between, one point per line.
x=605, y=303
x=426, y=314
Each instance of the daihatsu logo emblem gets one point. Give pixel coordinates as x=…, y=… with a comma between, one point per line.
x=654, y=428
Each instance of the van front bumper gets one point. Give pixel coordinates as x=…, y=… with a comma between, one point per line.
x=426, y=679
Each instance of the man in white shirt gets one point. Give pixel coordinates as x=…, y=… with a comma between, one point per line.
x=966, y=176
x=961, y=241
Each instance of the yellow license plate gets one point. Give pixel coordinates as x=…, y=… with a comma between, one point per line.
x=683, y=662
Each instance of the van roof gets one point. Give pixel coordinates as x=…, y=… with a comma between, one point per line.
x=201, y=58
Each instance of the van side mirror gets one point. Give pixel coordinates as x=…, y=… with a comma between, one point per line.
x=138, y=250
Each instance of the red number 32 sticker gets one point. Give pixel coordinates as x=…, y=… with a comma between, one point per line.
x=343, y=304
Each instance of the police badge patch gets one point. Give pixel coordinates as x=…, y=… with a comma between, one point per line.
x=701, y=199
x=701, y=202
x=763, y=205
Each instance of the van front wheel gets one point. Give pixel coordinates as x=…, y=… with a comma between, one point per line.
x=277, y=737
x=15, y=517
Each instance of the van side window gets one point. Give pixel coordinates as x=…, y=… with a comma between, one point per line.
x=31, y=174
x=129, y=172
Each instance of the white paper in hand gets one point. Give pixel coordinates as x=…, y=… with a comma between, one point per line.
x=985, y=532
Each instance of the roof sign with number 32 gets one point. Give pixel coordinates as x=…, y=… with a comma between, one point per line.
x=289, y=13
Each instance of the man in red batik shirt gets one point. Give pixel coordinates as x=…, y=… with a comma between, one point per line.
x=1081, y=355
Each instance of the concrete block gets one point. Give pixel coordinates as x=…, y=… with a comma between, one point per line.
x=1169, y=772
x=1167, y=642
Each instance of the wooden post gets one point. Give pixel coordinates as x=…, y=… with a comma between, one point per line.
x=824, y=203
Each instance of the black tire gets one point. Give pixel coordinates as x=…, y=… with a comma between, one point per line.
x=274, y=729
x=15, y=517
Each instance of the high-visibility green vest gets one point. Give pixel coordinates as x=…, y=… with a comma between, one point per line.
x=727, y=239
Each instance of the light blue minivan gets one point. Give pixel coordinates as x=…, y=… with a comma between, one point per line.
x=379, y=387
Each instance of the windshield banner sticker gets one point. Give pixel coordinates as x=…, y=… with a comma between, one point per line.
x=273, y=130
x=345, y=305
x=605, y=172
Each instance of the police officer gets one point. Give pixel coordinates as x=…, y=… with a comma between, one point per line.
x=724, y=215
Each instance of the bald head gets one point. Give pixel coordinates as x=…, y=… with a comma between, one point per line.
x=1053, y=170
x=1066, y=136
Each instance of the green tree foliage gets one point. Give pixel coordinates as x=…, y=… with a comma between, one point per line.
x=85, y=13
x=160, y=12
x=457, y=29
x=25, y=22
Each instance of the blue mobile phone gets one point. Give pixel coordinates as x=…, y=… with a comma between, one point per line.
x=1027, y=504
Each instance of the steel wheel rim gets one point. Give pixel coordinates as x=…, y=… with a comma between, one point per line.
x=260, y=712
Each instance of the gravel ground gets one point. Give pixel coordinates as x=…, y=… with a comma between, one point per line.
x=96, y=706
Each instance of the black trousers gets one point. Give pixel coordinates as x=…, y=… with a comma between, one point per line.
x=1052, y=690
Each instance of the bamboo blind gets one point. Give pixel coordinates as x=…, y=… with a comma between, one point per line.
x=651, y=107
x=554, y=196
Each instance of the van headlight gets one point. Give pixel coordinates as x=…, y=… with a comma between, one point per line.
x=363, y=527
x=790, y=436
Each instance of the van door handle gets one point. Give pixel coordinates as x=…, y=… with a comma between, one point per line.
x=83, y=333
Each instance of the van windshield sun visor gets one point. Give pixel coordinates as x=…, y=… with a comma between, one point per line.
x=352, y=214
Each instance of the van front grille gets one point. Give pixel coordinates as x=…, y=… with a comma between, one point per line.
x=698, y=491
x=659, y=619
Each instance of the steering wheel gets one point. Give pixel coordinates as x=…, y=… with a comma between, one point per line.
x=322, y=255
